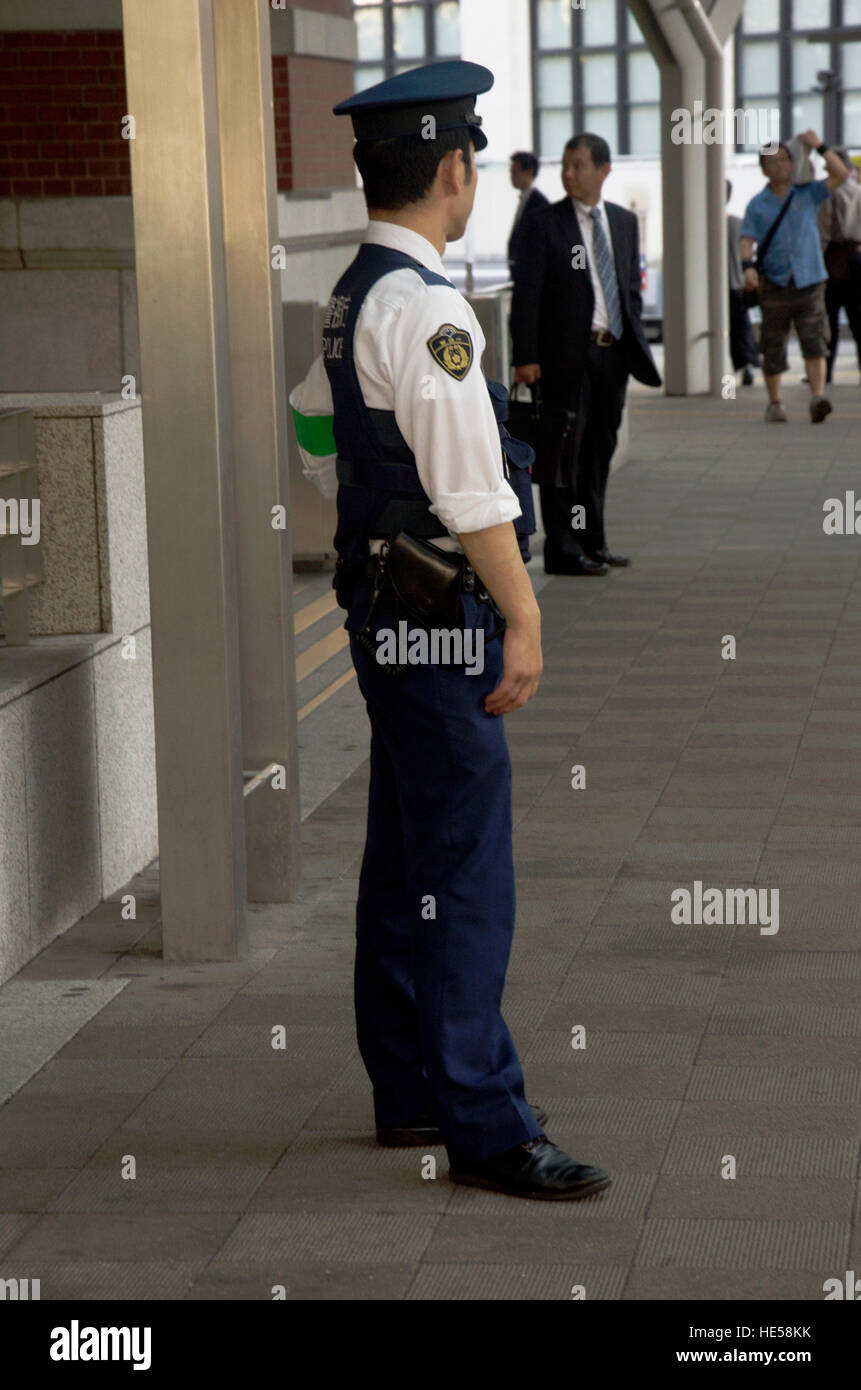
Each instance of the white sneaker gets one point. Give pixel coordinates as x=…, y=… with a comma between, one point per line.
x=775, y=411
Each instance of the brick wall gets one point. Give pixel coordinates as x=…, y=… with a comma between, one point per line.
x=63, y=97
x=62, y=100
x=322, y=143
x=283, y=143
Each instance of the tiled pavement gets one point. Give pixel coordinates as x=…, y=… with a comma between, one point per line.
x=258, y=1167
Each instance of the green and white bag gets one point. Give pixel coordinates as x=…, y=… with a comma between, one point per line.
x=311, y=405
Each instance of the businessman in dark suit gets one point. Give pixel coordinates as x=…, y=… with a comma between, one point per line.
x=575, y=324
x=524, y=169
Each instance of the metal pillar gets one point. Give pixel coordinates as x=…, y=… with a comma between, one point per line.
x=259, y=410
x=688, y=48
x=170, y=69
x=675, y=218
x=716, y=228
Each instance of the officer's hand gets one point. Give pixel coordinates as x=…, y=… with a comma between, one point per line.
x=522, y=666
x=530, y=373
x=751, y=278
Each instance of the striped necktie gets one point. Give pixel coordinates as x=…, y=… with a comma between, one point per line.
x=607, y=273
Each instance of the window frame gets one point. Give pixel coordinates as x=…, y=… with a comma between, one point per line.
x=786, y=37
x=390, y=61
x=621, y=49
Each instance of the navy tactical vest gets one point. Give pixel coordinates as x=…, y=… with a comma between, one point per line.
x=379, y=489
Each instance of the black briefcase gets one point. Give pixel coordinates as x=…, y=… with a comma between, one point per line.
x=555, y=452
x=524, y=414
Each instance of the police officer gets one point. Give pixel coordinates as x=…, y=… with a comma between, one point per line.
x=419, y=451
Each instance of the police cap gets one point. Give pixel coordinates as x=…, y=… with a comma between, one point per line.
x=400, y=105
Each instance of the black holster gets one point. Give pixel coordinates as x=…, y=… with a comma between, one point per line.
x=427, y=584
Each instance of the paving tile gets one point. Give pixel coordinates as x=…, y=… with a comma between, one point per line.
x=305, y=1282
x=92, y=1237
x=144, y=1041
x=31, y=1189
x=750, y=1198
x=784, y=1155
x=723, y=1285
x=348, y=1237
x=520, y=1282
x=535, y=1236
x=49, y=1130
x=608, y=1049
x=64, y=1281
x=737, y=1244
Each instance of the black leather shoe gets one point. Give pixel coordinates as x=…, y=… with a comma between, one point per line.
x=575, y=564
x=603, y=557
x=747, y=377
x=538, y=1169
x=426, y=1132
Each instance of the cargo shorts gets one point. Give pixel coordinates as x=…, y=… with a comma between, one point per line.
x=783, y=305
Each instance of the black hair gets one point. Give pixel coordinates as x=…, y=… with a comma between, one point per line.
x=595, y=144
x=528, y=162
x=764, y=154
x=728, y=190
x=401, y=171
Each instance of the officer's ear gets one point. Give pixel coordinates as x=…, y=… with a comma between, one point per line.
x=452, y=172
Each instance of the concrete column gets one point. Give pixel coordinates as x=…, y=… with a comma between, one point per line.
x=686, y=47
x=170, y=68
x=259, y=410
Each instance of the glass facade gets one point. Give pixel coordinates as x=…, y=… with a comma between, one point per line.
x=395, y=35
x=593, y=71
x=776, y=67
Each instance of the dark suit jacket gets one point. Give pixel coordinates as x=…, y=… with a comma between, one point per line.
x=551, y=311
x=535, y=201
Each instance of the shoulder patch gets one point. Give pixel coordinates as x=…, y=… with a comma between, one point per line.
x=452, y=348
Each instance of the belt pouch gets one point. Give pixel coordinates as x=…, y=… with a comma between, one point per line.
x=427, y=581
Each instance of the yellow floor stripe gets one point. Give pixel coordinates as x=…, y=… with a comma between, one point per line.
x=325, y=694
x=321, y=651
x=313, y=612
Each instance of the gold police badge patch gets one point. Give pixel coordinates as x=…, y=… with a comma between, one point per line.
x=452, y=348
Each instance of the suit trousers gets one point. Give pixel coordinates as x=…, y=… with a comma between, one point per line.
x=599, y=414
x=844, y=294
x=436, y=904
x=742, y=343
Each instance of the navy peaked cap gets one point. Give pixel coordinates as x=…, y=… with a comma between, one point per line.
x=400, y=105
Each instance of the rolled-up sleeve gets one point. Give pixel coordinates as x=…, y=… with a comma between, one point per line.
x=752, y=224
x=448, y=423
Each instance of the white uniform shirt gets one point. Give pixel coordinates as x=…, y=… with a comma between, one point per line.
x=600, y=317
x=449, y=424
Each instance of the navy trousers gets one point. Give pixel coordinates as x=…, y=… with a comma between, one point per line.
x=435, y=913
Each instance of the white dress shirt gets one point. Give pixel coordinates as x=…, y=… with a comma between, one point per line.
x=525, y=195
x=600, y=317
x=448, y=424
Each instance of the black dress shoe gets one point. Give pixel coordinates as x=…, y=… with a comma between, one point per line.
x=747, y=377
x=538, y=1169
x=604, y=557
x=575, y=564
x=426, y=1132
